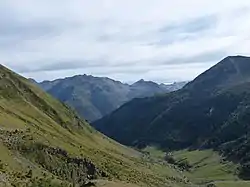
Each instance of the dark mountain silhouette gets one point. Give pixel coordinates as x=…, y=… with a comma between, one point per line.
x=213, y=111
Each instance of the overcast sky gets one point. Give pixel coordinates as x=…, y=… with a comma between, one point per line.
x=159, y=40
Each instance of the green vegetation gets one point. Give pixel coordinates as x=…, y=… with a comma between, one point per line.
x=233, y=184
x=155, y=152
x=207, y=166
x=102, y=183
x=44, y=143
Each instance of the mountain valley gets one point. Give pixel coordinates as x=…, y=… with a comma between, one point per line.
x=196, y=136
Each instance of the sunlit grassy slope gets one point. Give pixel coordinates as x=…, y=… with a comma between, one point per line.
x=232, y=184
x=43, y=142
x=207, y=167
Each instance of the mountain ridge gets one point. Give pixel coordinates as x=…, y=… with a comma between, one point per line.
x=94, y=97
x=226, y=71
x=209, y=112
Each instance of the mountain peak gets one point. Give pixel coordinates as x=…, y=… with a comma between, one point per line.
x=144, y=82
x=230, y=71
x=237, y=57
x=141, y=80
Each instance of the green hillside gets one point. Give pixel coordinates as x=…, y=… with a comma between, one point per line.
x=44, y=143
x=203, y=168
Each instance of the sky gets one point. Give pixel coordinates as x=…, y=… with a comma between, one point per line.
x=127, y=40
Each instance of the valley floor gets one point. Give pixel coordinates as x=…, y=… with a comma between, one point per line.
x=103, y=183
x=202, y=167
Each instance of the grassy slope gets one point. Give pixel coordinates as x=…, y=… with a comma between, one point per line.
x=29, y=117
x=113, y=184
x=232, y=184
x=207, y=167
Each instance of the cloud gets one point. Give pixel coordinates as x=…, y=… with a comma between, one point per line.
x=159, y=40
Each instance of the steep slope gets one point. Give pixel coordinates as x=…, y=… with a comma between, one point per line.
x=44, y=143
x=210, y=112
x=95, y=97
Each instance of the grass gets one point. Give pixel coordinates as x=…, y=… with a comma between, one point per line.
x=207, y=166
x=232, y=184
x=154, y=152
x=103, y=183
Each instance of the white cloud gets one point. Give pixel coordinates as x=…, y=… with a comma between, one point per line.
x=161, y=40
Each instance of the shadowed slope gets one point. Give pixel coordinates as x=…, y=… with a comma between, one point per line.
x=210, y=112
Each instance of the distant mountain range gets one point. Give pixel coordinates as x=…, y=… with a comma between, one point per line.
x=94, y=97
x=213, y=111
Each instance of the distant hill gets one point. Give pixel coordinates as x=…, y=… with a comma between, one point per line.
x=95, y=97
x=44, y=143
x=213, y=111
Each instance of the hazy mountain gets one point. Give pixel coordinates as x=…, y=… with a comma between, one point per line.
x=44, y=143
x=213, y=111
x=95, y=97
x=175, y=86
